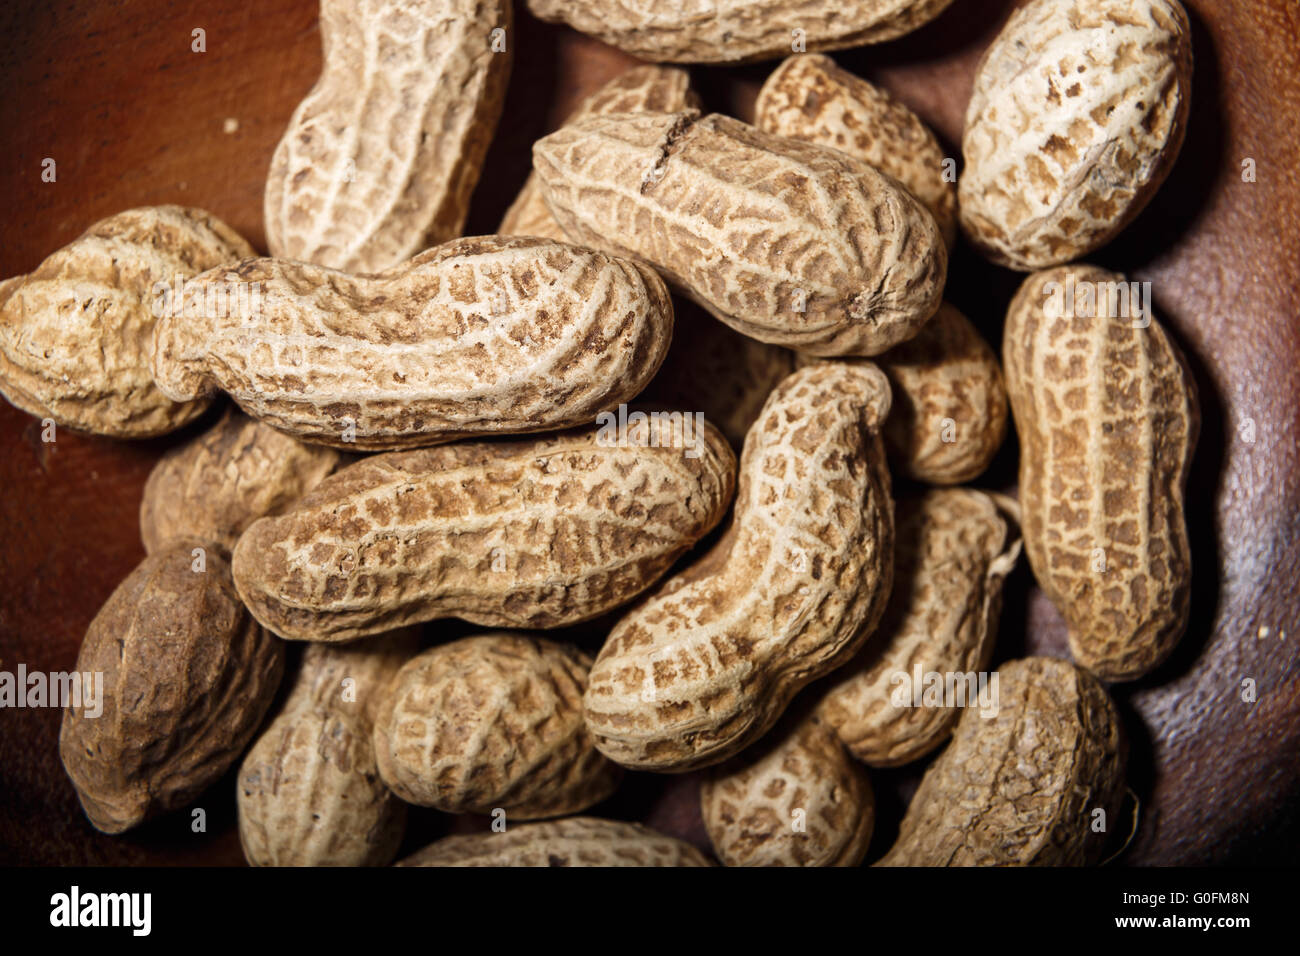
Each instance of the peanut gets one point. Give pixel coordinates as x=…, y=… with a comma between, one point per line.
x=949, y=416
x=76, y=335
x=492, y=722
x=657, y=89
x=1023, y=788
x=1107, y=416
x=717, y=372
x=217, y=485
x=797, y=799
x=808, y=97
x=309, y=789
x=534, y=533
x=1077, y=116
x=787, y=242
x=707, y=664
x=483, y=335
x=379, y=160
x=187, y=677
x=576, y=841
x=954, y=547
x=737, y=31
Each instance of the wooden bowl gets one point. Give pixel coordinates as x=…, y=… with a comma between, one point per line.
x=133, y=116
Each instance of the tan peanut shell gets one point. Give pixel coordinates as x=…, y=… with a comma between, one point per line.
x=309, y=791
x=713, y=370
x=379, y=160
x=1022, y=788
x=657, y=89
x=1108, y=418
x=76, y=334
x=809, y=97
x=493, y=722
x=737, y=31
x=949, y=415
x=576, y=841
x=215, y=486
x=540, y=532
x=787, y=242
x=954, y=547
x=708, y=663
x=796, y=799
x=1077, y=115
x=486, y=335
x=187, y=677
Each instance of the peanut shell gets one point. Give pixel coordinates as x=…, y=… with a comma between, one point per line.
x=188, y=676
x=1107, y=416
x=535, y=533
x=492, y=722
x=76, y=334
x=1077, y=115
x=576, y=841
x=380, y=159
x=787, y=242
x=485, y=335
x=1022, y=788
x=708, y=663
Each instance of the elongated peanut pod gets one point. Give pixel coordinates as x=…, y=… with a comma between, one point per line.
x=309, y=790
x=535, y=533
x=954, y=547
x=706, y=665
x=795, y=799
x=657, y=89
x=1039, y=784
x=788, y=242
x=77, y=334
x=576, y=841
x=493, y=722
x=379, y=160
x=737, y=31
x=485, y=335
x=187, y=676
x=808, y=97
x=1107, y=416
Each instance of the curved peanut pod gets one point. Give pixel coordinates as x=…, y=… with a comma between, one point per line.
x=309, y=790
x=215, y=486
x=796, y=799
x=379, y=160
x=707, y=664
x=493, y=722
x=809, y=97
x=1107, y=416
x=788, y=242
x=1078, y=112
x=534, y=533
x=576, y=841
x=954, y=547
x=737, y=31
x=949, y=416
x=484, y=335
x=187, y=675
x=76, y=334
x=1023, y=788
x=658, y=89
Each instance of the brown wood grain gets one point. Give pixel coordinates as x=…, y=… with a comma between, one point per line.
x=132, y=116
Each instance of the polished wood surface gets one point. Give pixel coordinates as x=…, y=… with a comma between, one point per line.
x=113, y=92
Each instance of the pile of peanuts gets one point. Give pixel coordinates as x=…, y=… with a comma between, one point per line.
x=428, y=426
